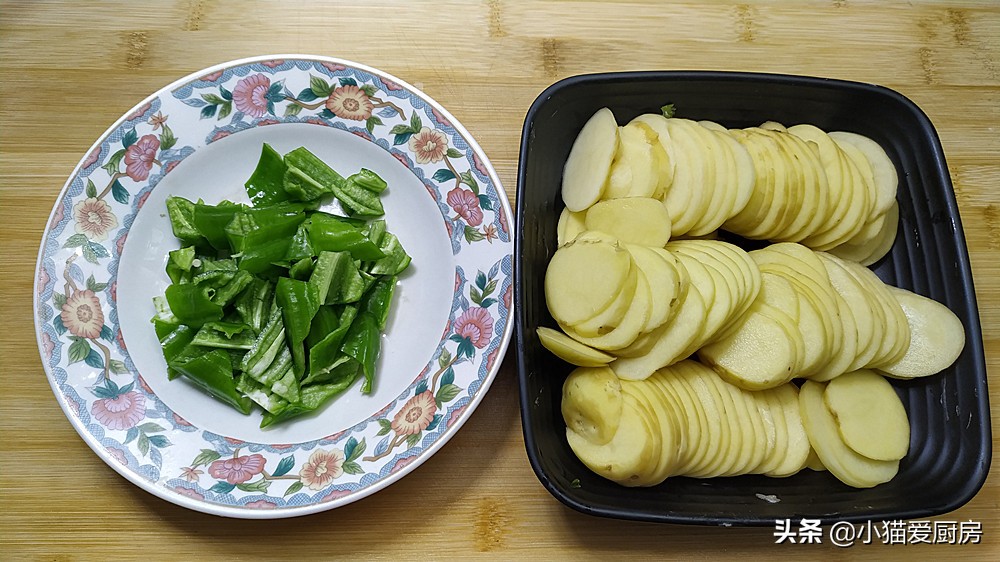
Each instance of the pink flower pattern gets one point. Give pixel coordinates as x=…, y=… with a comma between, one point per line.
x=250, y=95
x=94, y=218
x=262, y=504
x=140, y=156
x=466, y=204
x=237, y=470
x=189, y=493
x=82, y=314
x=477, y=325
x=121, y=412
x=350, y=102
x=322, y=468
x=415, y=415
x=428, y=145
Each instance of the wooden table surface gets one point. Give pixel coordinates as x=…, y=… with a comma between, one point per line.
x=70, y=69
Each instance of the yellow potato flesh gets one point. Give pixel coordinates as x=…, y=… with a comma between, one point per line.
x=592, y=403
x=869, y=415
x=570, y=350
x=843, y=462
x=583, y=278
x=634, y=172
x=634, y=220
x=627, y=456
x=937, y=337
x=589, y=163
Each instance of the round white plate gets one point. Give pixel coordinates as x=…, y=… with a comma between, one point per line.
x=104, y=250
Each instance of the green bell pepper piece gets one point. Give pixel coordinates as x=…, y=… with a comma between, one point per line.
x=224, y=335
x=211, y=221
x=311, y=398
x=362, y=344
x=254, y=303
x=192, y=304
x=213, y=372
x=369, y=180
x=259, y=259
x=265, y=184
x=335, y=234
x=181, y=213
x=301, y=270
x=299, y=302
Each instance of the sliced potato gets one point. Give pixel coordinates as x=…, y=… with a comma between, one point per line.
x=669, y=340
x=635, y=220
x=570, y=225
x=937, y=337
x=884, y=171
x=627, y=456
x=761, y=353
x=797, y=447
x=843, y=462
x=630, y=326
x=634, y=171
x=583, y=278
x=592, y=403
x=589, y=163
x=570, y=350
x=869, y=415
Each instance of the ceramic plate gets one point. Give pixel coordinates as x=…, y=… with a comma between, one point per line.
x=104, y=250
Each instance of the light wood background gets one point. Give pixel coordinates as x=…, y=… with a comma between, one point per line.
x=70, y=69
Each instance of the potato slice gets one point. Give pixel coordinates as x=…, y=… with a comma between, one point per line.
x=771, y=415
x=688, y=200
x=664, y=283
x=592, y=403
x=691, y=419
x=758, y=203
x=635, y=220
x=764, y=352
x=884, y=171
x=869, y=414
x=628, y=456
x=867, y=175
x=937, y=336
x=634, y=171
x=843, y=462
x=773, y=126
x=670, y=340
x=862, y=309
x=813, y=463
x=630, y=326
x=570, y=225
x=744, y=174
x=867, y=252
x=816, y=200
x=663, y=163
x=609, y=318
x=570, y=350
x=589, y=163
x=719, y=164
x=661, y=417
x=710, y=402
x=665, y=156
x=797, y=444
x=583, y=278
x=896, y=335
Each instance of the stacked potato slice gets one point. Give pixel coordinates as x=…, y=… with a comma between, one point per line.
x=857, y=426
x=682, y=421
x=818, y=317
x=831, y=192
x=643, y=307
x=640, y=283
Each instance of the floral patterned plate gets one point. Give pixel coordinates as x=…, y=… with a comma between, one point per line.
x=103, y=253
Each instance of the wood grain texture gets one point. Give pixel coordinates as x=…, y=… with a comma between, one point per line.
x=69, y=69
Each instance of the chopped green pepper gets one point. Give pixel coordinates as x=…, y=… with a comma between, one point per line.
x=213, y=372
x=192, y=305
x=265, y=185
x=299, y=302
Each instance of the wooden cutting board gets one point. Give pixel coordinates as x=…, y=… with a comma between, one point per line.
x=70, y=69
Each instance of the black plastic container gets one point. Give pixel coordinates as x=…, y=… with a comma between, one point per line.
x=950, y=444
